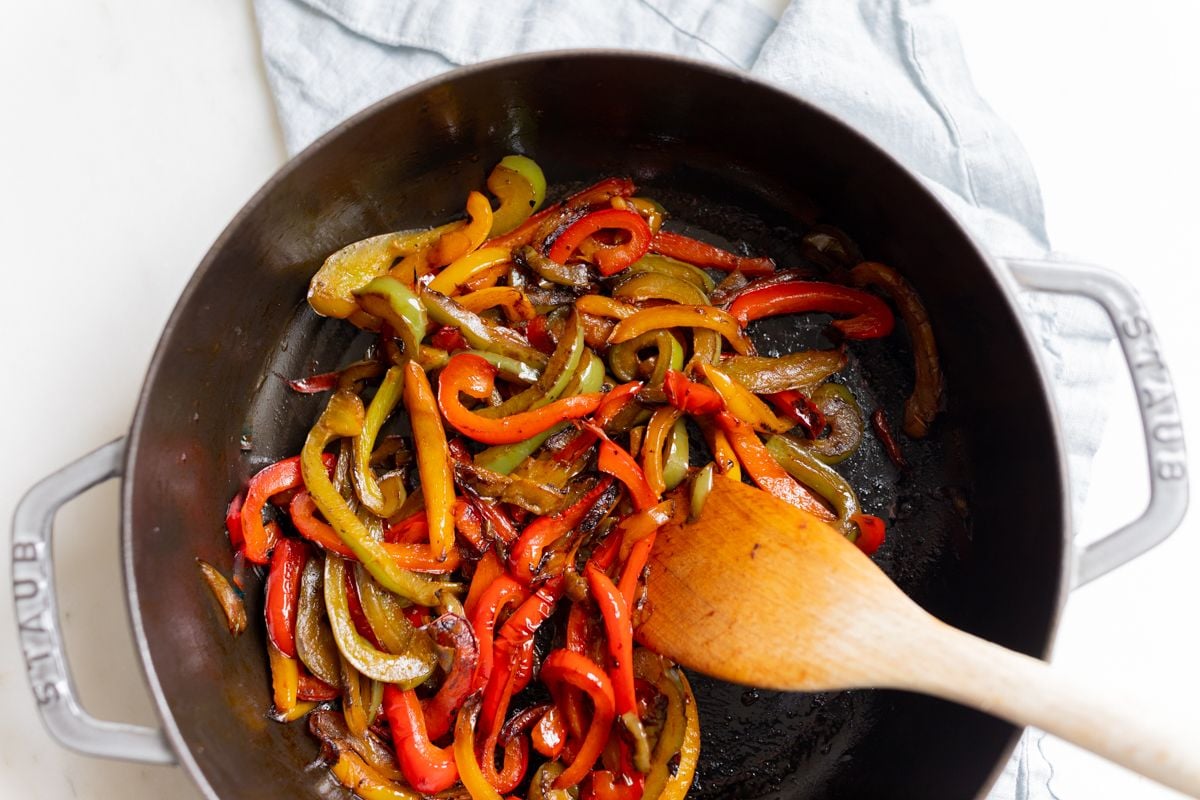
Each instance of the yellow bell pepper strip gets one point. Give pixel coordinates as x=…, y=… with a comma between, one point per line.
x=514, y=302
x=368, y=488
x=475, y=377
x=331, y=291
x=285, y=679
x=229, y=599
x=385, y=616
x=456, y=243
x=343, y=417
x=681, y=316
x=364, y=781
x=464, y=754
x=870, y=317
x=651, y=210
x=521, y=186
x=677, y=751
x=330, y=728
x=657, y=430
x=427, y=767
x=564, y=668
x=398, y=306
x=478, y=333
x=743, y=403
x=315, y=646
x=433, y=459
x=844, y=419
x=609, y=259
x=625, y=364
x=706, y=255
x=642, y=286
x=282, y=476
x=804, y=370
x=599, y=305
x=922, y=405
x=408, y=669
x=765, y=470
x=470, y=265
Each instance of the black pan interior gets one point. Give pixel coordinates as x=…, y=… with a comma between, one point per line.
x=977, y=536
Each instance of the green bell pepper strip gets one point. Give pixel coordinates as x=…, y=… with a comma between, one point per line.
x=804, y=370
x=409, y=669
x=845, y=420
x=805, y=466
x=509, y=367
x=573, y=275
x=478, y=333
x=660, y=286
x=314, y=641
x=624, y=363
x=675, y=461
x=399, y=307
x=343, y=417
x=505, y=458
x=665, y=265
x=554, y=377
x=521, y=186
x=368, y=488
x=702, y=484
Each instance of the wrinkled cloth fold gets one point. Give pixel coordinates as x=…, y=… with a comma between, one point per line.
x=894, y=69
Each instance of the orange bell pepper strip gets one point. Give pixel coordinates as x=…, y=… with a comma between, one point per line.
x=682, y=316
x=689, y=396
x=599, y=305
x=467, y=267
x=765, y=470
x=702, y=254
x=652, y=446
x=871, y=318
x=487, y=571
x=282, y=476
x=427, y=767
x=565, y=668
x=456, y=243
x=516, y=305
x=453, y=632
x=616, y=461
x=475, y=377
x=871, y=532
x=433, y=459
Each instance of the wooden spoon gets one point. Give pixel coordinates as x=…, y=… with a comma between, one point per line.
x=760, y=593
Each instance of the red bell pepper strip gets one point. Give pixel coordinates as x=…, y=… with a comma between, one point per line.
x=615, y=400
x=449, y=338
x=315, y=384
x=523, y=233
x=607, y=785
x=410, y=530
x=498, y=523
x=871, y=532
x=313, y=689
x=871, y=318
x=549, y=737
x=303, y=510
x=451, y=631
x=765, y=470
x=518, y=631
x=594, y=195
x=469, y=525
x=427, y=767
x=487, y=570
x=564, y=668
x=639, y=554
x=615, y=460
x=618, y=629
x=281, y=476
x=538, y=333
x=475, y=377
x=283, y=593
x=357, y=615
x=690, y=397
x=526, y=555
x=703, y=254
x=499, y=594
x=800, y=409
x=610, y=259
x=233, y=521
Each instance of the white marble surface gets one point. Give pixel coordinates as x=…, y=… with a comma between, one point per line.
x=132, y=131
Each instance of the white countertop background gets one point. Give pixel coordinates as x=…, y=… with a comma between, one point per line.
x=131, y=131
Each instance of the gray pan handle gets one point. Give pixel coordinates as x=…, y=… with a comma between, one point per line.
x=1157, y=404
x=37, y=618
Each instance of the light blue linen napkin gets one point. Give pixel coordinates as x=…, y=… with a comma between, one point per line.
x=892, y=68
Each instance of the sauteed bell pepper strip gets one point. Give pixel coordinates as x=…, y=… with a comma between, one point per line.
x=344, y=417
x=470, y=265
x=800, y=409
x=661, y=424
x=765, y=470
x=513, y=302
x=802, y=464
x=618, y=628
x=364, y=781
x=451, y=630
x=368, y=488
x=922, y=405
x=553, y=381
x=680, y=316
x=427, y=767
x=433, y=459
x=706, y=255
x=315, y=646
x=804, y=370
x=503, y=592
x=230, y=599
x=844, y=419
x=526, y=555
x=285, y=679
x=471, y=375
x=282, y=476
x=521, y=187
x=464, y=755
x=408, y=669
x=399, y=307
x=744, y=404
x=457, y=243
x=565, y=668
x=616, y=461
x=609, y=259
x=599, y=305
x=283, y=593
x=871, y=318
x=478, y=333
x=691, y=397
x=596, y=194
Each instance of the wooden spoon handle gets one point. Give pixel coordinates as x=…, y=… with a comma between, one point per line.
x=954, y=665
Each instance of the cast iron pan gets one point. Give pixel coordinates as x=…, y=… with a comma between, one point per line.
x=977, y=532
